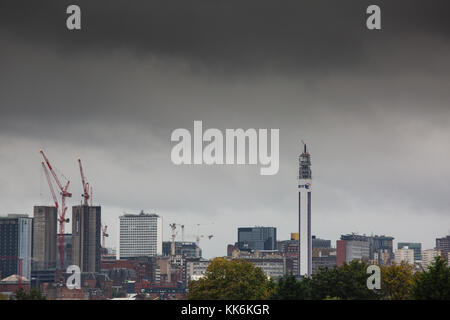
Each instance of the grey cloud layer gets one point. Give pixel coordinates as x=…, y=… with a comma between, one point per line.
x=290, y=35
x=373, y=106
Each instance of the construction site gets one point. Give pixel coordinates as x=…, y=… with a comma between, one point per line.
x=141, y=265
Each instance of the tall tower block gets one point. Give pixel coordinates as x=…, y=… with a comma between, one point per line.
x=45, y=224
x=86, y=237
x=304, y=213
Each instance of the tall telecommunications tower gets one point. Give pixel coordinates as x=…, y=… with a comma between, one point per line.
x=304, y=213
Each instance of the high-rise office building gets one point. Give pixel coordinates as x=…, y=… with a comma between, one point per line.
x=352, y=247
x=257, y=238
x=139, y=235
x=44, y=237
x=15, y=245
x=304, y=213
x=86, y=237
x=381, y=249
x=417, y=247
x=443, y=244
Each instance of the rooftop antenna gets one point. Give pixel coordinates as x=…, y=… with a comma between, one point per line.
x=304, y=146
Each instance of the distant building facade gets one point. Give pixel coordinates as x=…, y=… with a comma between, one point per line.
x=290, y=250
x=44, y=237
x=231, y=248
x=322, y=262
x=67, y=242
x=86, y=237
x=381, y=249
x=404, y=255
x=272, y=267
x=182, y=248
x=139, y=235
x=429, y=255
x=289, y=247
x=195, y=269
x=443, y=244
x=417, y=247
x=320, y=243
x=352, y=247
x=257, y=238
x=15, y=245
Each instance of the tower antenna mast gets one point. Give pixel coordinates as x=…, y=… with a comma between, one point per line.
x=304, y=212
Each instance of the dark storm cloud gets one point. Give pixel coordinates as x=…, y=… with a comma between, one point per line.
x=374, y=106
x=238, y=34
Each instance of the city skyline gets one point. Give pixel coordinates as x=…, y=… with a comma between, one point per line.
x=194, y=228
x=372, y=106
x=178, y=237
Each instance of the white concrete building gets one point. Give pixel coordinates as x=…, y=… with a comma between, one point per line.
x=428, y=256
x=404, y=255
x=139, y=235
x=357, y=250
x=196, y=268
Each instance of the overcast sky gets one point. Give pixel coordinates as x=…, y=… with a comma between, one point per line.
x=374, y=107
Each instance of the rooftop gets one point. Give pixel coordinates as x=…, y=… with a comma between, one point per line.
x=12, y=279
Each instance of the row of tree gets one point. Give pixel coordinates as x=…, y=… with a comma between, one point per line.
x=34, y=294
x=239, y=279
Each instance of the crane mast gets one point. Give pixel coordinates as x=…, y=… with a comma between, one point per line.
x=197, y=241
x=87, y=189
x=49, y=181
x=62, y=210
x=104, y=235
x=173, y=226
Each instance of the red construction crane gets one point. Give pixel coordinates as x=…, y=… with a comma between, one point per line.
x=104, y=235
x=52, y=190
x=87, y=189
x=62, y=210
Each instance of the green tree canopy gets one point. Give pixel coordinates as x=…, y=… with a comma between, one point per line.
x=231, y=280
x=289, y=288
x=396, y=281
x=347, y=282
x=34, y=294
x=432, y=283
